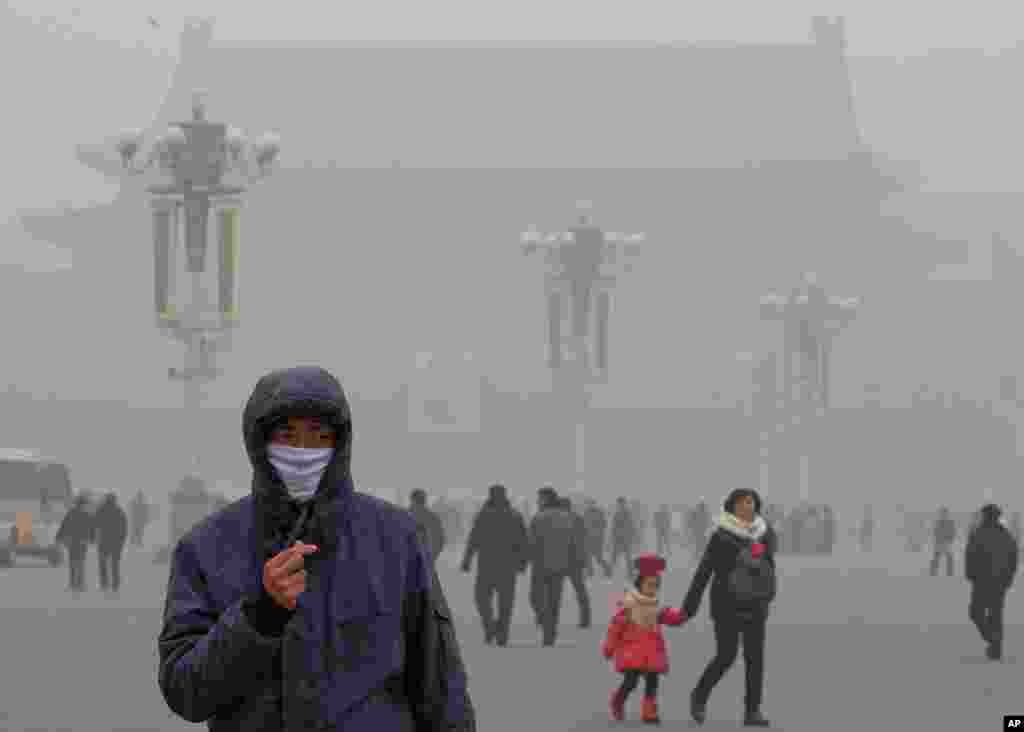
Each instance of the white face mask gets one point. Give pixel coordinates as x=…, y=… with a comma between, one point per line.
x=300, y=468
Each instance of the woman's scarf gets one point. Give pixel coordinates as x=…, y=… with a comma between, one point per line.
x=733, y=525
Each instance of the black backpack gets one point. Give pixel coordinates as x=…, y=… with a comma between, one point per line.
x=751, y=581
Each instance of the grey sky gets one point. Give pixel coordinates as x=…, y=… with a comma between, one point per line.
x=80, y=77
x=122, y=63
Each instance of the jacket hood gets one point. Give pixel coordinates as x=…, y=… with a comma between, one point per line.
x=297, y=392
x=497, y=502
x=728, y=522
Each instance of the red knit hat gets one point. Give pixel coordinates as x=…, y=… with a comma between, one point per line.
x=649, y=565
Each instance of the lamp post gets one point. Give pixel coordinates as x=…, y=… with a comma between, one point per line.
x=582, y=266
x=202, y=165
x=811, y=320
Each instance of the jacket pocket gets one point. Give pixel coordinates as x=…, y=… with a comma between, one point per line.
x=361, y=642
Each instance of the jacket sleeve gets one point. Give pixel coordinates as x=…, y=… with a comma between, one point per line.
x=971, y=558
x=442, y=538
x=701, y=578
x=771, y=540
x=613, y=637
x=533, y=540
x=522, y=543
x=435, y=676
x=207, y=660
x=473, y=540
x=1014, y=561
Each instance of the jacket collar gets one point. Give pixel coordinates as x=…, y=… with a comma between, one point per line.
x=728, y=522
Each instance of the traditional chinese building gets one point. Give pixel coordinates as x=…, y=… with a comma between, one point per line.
x=743, y=164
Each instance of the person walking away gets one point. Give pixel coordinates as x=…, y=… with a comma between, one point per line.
x=429, y=524
x=739, y=561
x=553, y=552
x=990, y=564
x=579, y=565
x=544, y=495
x=111, y=533
x=623, y=537
x=140, y=515
x=308, y=605
x=597, y=526
x=943, y=535
x=663, y=530
x=635, y=640
x=499, y=541
x=75, y=533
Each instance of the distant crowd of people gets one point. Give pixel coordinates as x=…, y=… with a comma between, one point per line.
x=313, y=602
x=105, y=525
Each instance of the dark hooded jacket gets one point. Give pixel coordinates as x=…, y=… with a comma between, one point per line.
x=370, y=630
x=111, y=524
x=498, y=538
x=991, y=555
x=553, y=540
x=77, y=530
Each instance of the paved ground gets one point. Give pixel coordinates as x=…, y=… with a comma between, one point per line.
x=853, y=644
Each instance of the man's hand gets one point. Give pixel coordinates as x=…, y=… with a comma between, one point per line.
x=284, y=577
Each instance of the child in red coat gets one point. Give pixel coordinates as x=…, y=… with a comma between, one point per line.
x=635, y=641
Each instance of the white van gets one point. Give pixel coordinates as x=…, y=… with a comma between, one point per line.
x=35, y=494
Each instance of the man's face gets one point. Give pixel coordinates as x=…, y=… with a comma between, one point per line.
x=307, y=432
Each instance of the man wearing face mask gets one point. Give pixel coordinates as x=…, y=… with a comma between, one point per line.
x=308, y=605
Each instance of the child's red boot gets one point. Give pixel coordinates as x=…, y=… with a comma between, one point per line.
x=649, y=711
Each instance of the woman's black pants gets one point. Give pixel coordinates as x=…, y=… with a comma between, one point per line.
x=727, y=639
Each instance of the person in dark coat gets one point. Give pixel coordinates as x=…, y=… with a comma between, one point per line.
x=739, y=526
x=578, y=568
x=943, y=535
x=597, y=526
x=498, y=538
x=428, y=522
x=990, y=564
x=307, y=604
x=624, y=535
x=77, y=531
x=553, y=553
x=111, y=524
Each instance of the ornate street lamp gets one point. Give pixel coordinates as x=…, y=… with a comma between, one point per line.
x=582, y=264
x=203, y=166
x=811, y=319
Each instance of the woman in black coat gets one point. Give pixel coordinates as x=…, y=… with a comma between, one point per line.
x=740, y=526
